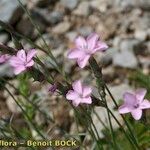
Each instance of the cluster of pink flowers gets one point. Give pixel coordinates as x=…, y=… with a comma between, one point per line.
x=21, y=61
x=83, y=50
x=80, y=93
x=81, y=53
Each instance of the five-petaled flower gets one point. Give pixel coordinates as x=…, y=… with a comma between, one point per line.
x=85, y=48
x=134, y=103
x=22, y=60
x=4, y=58
x=79, y=94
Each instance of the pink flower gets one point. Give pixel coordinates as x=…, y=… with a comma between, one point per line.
x=134, y=103
x=4, y=58
x=85, y=48
x=22, y=60
x=79, y=94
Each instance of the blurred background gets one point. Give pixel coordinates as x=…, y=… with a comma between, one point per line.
x=123, y=24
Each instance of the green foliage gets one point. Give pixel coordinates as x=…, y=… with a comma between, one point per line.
x=24, y=84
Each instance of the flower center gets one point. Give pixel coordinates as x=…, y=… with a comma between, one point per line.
x=136, y=105
x=25, y=63
x=87, y=51
x=81, y=96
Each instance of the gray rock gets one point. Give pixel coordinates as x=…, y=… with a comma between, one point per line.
x=145, y=62
x=3, y=38
x=50, y=40
x=127, y=4
x=116, y=41
x=94, y=19
x=10, y=10
x=12, y=106
x=83, y=9
x=55, y=17
x=128, y=44
x=48, y=17
x=106, y=57
x=25, y=27
x=43, y=3
x=6, y=70
x=117, y=92
x=103, y=30
x=58, y=52
x=141, y=35
x=39, y=3
x=70, y=4
x=61, y=27
x=85, y=31
x=125, y=59
x=100, y=5
x=71, y=35
x=142, y=23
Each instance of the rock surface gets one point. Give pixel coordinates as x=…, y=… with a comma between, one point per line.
x=70, y=4
x=10, y=10
x=61, y=28
x=83, y=9
x=125, y=59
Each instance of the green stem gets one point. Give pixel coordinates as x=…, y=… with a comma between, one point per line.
x=127, y=124
x=89, y=130
x=37, y=130
x=101, y=86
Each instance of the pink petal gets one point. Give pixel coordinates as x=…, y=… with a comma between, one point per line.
x=72, y=95
x=87, y=100
x=4, y=58
x=75, y=53
x=80, y=42
x=140, y=93
x=76, y=102
x=30, y=63
x=145, y=104
x=19, y=69
x=87, y=91
x=123, y=109
x=31, y=54
x=129, y=99
x=77, y=86
x=82, y=62
x=100, y=46
x=92, y=40
x=137, y=114
x=15, y=61
x=21, y=55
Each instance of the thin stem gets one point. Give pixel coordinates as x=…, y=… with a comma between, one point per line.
x=100, y=120
x=89, y=117
x=25, y=113
x=111, y=128
x=91, y=130
x=121, y=127
x=39, y=32
x=101, y=86
x=128, y=126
